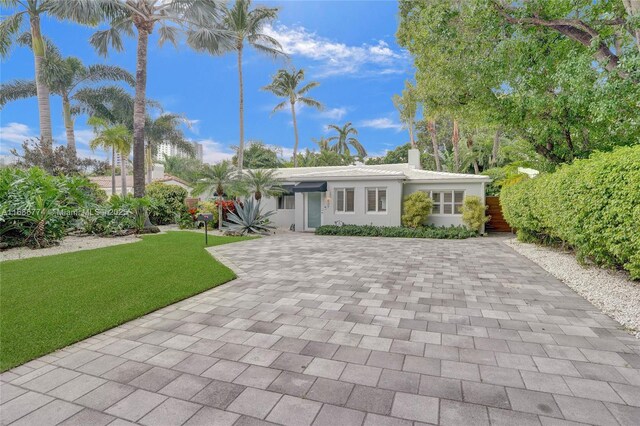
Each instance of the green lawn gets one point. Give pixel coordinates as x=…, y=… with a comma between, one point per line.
x=50, y=302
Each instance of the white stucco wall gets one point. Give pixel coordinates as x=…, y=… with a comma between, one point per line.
x=471, y=188
x=397, y=190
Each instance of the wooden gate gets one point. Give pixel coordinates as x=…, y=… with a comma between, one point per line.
x=497, y=222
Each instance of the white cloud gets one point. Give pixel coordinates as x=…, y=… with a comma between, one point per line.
x=333, y=113
x=337, y=58
x=16, y=133
x=381, y=123
x=214, y=152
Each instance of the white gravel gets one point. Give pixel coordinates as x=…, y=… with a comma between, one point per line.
x=67, y=245
x=612, y=292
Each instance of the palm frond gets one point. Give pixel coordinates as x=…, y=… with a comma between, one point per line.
x=17, y=89
x=102, y=40
x=168, y=33
x=311, y=103
x=8, y=28
x=308, y=87
x=88, y=12
x=101, y=72
x=279, y=107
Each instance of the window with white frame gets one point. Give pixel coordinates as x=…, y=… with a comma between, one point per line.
x=447, y=202
x=345, y=200
x=376, y=200
x=286, y=202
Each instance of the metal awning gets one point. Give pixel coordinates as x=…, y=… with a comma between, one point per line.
x=310, y=187
x=288, y=189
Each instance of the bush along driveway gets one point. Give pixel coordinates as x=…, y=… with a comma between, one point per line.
x=50, y=302
x=345, y=330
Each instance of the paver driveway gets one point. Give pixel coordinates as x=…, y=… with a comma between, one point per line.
x=341, y=331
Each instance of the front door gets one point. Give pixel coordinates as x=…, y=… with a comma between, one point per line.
x=314, y=206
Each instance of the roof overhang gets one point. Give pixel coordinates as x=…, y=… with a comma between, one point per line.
x=312, y=186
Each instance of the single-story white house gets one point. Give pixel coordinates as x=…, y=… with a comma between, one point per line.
x=158, y=175
x=368, y=194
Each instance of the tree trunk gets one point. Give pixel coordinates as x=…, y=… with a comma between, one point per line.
x=139, y=112
x=431, y=124
x=241, y=142
x=633, y=10
x=411, y=137
x=113, y=170
x=219, y=212
x=476, y=168
x=44, y=107
x=295, y=132
x=455, y=140
x=123, y=174
x=496, y=147
x=68, y=125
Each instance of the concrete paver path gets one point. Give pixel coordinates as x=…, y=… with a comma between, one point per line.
x=348, y=331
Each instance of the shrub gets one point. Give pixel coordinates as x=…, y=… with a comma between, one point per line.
x=209, y=207
x=166, y=202
x=430, y=231
x=592, y=205
x=37, y=209
x=473, y=213
x=417, y=208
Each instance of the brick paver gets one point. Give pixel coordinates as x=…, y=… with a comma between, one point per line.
x=341, y=331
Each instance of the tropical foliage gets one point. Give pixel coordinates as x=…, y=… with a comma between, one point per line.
x=473, y=213
x=592, y=205
x=416, y=209
x=248, y=218
x=166, y=202
x=261, y=182
x=344, y=139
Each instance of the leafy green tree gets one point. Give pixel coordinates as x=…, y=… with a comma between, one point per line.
x=33, y=10
x=285, y=85
x=65, y=77
x=257, y=155
x=407, y=106
x=343, y=140
x=416, y=209
x=185, y=168
x=117, y=138
x=196, y=19
x=241, y=25
x=527, y=68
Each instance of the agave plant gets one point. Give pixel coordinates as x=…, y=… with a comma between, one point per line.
x=248, y=219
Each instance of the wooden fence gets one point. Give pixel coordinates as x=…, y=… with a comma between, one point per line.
x=497, y=222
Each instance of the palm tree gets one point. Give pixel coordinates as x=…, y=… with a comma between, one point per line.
x=215, y=178
x=343, y=140
x=195, y=18
x=262, y=182
x=285, y=85
x=241, y=24
x=117, y=138
x=165, y=129
x=407, y=106
x=65, y=77
x=431, y=126
x=323, y=143
x=33, y=10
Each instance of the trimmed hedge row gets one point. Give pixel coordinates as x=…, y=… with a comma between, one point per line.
x=593, y=205
x=451, y=233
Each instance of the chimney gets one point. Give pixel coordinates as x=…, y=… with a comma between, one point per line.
x=158, y=171
x=414, y=158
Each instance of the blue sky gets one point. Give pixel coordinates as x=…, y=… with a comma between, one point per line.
x=348, y=46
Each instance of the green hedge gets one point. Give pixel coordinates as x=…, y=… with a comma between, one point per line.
x=452, y=232
x=593, y=205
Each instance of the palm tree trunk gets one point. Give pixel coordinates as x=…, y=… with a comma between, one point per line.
x=411, y=137
x=455, y=139
x=496, y=147
x=476, y=168
x=295, y=132
x=68, y=125
x=219, y=212
x=113, y=170
x=139, y=112
x=123, y=174
x=434, y=142
x=44, y=107
x=241, y=143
